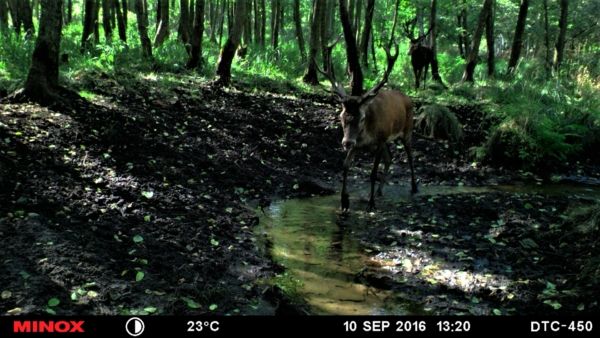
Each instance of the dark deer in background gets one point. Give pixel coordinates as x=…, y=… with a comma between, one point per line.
x=420, y=56
x=371, y=121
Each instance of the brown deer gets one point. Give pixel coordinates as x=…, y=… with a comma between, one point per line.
x=420, y=56
x=370, y=121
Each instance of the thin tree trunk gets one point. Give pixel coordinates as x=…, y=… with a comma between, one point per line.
x=233, y=40
x=26, y=15
x=3, y=16
x=69, y=11
x=96, y=21
x=474, y=52
x=222, y=20
x=562, y=33
x=88, y=24
x=311, y=76
x=435, y=72
x=256, y=22
x=13, y=7
x=120, y=20
x=324, y=32
x=263, y=22
x=366, y=34
x=184, y=23
x=106, y=21
x=248, y=26
x=351, y=51
x=163, y=28
x=195, y=60
x=125, y=11
x=275, y=17
x=548, y=60
x=517, y=44
x=299, y=34
x=357, y=18
x=141, y=10
x=351, y=10
x=42, y=81
x=489, y=37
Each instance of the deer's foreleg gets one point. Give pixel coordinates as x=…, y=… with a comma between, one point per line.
x=387, y=161
x=378, y=153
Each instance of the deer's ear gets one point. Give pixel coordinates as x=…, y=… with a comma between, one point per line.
x=366, y=99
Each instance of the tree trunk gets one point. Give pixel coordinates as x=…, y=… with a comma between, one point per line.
x=69, y=11
x=366, y=34
x=120, y=20
x=489, y=37
x=435, y=72
x=248, y=25
x=275, y=17
x=256, y=22
x=562, y=33
x=195, y=60
x=184, y=23
x=517, y=44
x=125, y=12
x=222, y=20
x=299, y=34
x=96, y=22
x=311, y=76
x=106, y=20
x=263, y=22
x=463, y=37
x=474, y=52
x=88, y=24
x=13, y=9
x=3, y=16
x=141, y=11
x=548, y=60
x=351, y=51
x=233, y=40
x=357, y=17
x=324, y=31
x=27, y=17
x=163, y=27
x=42, y=81
x=351, y=10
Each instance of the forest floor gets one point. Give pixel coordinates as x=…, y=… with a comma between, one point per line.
x=141, y=197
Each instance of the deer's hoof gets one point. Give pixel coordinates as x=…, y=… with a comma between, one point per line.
x=371, y=207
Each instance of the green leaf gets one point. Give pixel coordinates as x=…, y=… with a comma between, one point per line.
x=497, y=312
x=214, y=242
x=92, y=294
x=213, y=307
x=580, y=307
x=555, y=305
x=53, y=302
x=138, y=239
x=139, y=276
x=50, y=311
x=147, y=218
x=148, y=194
x=190, y=303
x=150, y=309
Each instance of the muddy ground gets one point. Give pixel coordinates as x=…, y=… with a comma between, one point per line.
x=141, y=197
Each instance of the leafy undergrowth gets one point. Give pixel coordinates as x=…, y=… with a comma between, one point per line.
x=511, y=254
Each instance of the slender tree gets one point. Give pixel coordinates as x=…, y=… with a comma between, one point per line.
x=26, y=14
x=548, y=59
x=517, y=44
x=263, y=22
x=298, y=25
x=195, y=60
x=324, y=31
x=489, y=38
x=42, y=81
x=435, y=72
x=106, y=20
x=163, y=27
x=562, y=33
x=120, y=20
x=88, y=24
x=125, y=8
x=3, y=16
x=69, y=11
x=233, y=40
x=311, y=75
x=366, y=33
x=474, y=52
x=183, y=30
x=141, y=11
x=356, y=81
x=275, y=17
x=13, y=8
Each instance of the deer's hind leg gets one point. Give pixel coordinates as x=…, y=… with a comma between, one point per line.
x=387, y=161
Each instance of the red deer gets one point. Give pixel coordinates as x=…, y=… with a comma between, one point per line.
x=420, y=56
x=371, y=121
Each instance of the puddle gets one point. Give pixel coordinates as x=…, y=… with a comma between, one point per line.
x=323, y=255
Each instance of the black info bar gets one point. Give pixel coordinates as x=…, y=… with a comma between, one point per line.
x=338, y=326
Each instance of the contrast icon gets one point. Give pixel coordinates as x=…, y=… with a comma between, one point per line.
x=134, y=326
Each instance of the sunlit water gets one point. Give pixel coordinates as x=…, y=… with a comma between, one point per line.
x=323, y=255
